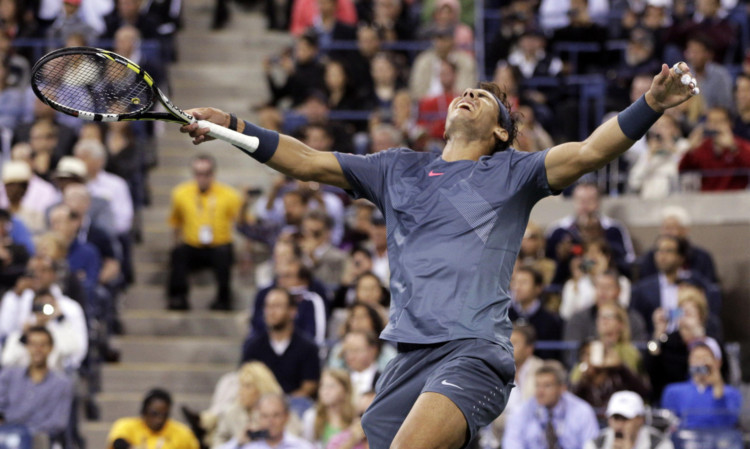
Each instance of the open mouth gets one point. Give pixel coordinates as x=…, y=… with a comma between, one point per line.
x=465, y=106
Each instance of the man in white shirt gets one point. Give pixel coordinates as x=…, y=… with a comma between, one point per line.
x=626, y=429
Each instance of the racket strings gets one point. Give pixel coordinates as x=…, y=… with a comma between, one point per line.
x=90, y=83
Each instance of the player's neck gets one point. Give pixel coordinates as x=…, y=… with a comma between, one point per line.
x=465, y=147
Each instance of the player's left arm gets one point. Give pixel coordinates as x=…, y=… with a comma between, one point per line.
x=567, y=162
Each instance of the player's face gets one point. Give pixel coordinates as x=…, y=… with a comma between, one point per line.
x=475, y=110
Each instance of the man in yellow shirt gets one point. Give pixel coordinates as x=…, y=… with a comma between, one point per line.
x=153, y=429
x=203, y=215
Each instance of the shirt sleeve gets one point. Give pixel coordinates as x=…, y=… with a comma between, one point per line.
x=529, y=172
x=367, y=174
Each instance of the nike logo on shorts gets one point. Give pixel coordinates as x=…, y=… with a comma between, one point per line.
x=432, y=173
x=445, y=382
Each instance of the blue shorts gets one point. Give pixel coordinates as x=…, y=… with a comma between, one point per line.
x=476, y=374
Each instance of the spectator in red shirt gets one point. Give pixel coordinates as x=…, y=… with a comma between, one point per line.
x=722, y=158
x=305, y=13
x=433, y=110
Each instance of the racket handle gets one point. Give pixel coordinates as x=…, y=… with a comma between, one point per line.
x=248, y=144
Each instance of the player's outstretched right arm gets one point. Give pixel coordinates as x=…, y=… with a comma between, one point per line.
x=290, y=156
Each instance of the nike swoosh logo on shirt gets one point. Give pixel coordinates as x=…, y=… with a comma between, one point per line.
x=444, y=382
x=432, y=173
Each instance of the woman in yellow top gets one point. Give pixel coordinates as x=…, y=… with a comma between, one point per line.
x=153, y=429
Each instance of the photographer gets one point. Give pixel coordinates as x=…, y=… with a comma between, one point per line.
x=704, y=401
x=64, y=320
x=274, y=414
x=655, y=174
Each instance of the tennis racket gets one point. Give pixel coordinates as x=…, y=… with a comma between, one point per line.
x=101, y=86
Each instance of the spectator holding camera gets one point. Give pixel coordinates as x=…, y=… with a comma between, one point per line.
x=654, y=174
x=704, y=401
x=273, y=415
x=66, y=323
x=721, y=158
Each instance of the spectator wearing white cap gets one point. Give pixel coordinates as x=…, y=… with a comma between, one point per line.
x=40, y=193
x=626, y=427
x=16, y=177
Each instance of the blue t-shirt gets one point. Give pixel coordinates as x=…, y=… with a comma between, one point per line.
x=699, y=409
x=454, y=231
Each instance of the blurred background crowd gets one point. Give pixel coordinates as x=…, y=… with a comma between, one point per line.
x=615, y=346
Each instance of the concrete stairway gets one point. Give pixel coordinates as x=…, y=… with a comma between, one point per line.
x=187, y=352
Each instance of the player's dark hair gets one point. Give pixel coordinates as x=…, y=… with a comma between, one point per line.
x=512, y=126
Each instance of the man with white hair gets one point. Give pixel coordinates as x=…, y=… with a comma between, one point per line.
x=625, y=426
x=106, y=185
x=676, y=222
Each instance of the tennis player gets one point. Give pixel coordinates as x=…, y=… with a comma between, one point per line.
x=455, y=222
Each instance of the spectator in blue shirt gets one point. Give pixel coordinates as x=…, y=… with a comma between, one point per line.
x=554, y=418
x=36, y=397
x=704, y=402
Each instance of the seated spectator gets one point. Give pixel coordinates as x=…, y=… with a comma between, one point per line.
x=709, y=20
x=311, y=316
x=255, y=381
x=358, y=62
x=361, y=351
x=154, y=428
x=369, y=289
x=69, y=20
x=17, y=177
x=358, y=263
x=704, y=402
x=62, y=139
x=325, y=17
x=39, y=194
x=667, y=356
x=354, y=436
x=333, y=411
x=44, y=138
x=655, y=172
x=424, y=81
x=302, y=71
x=639, y=57
x=741, y=125
x=532, y=252
x=66, y=323
x=129, y=12
x=567, y=232
x=434, y=109
x=582, y=325
x=52, y=247
x=527, y=308
x=203, y=214
x=394, y=19
x=11, y=100
x=675, y=221
x=291, y=356
x=523, y=339
x=532, y=57
x=273, y=415
x=722, y=159
x=660, y=291
x=553, y=417
x=13, y=255
x=582, y=29
x=72, y=171
x=447, y=14
x=714, y=79
x=325, y=260
x=579, y=292
x=36, y=396
x=362, y=317
x=626, y=428
x=532, y=137
x=385, y=78
x=343, y=95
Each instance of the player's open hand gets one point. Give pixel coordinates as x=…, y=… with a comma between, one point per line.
x=212, y=115
x=671, y=87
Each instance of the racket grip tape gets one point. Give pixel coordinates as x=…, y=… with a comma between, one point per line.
x=248, y=144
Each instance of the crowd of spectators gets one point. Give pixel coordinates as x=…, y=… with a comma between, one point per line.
x=70, y=201
x=599, y=330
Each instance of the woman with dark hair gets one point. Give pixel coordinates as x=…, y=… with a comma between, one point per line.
x=362, y=317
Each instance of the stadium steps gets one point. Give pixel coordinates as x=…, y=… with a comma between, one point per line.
x=187, y=352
